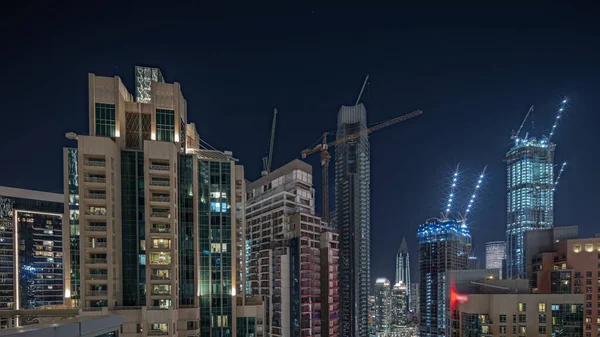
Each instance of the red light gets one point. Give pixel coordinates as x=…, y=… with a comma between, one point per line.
x=456, y=297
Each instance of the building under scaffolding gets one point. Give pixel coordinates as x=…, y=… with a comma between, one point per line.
x=530, y=197
x=443, y=245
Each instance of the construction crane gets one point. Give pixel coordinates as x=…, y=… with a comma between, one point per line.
x=562, y=168
x=326, y=157
x=515, y=135
x=268, y=158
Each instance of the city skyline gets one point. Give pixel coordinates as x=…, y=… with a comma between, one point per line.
x=220, y=79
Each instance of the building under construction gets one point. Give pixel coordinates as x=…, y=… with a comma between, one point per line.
x=530, y=187
x=443, y=245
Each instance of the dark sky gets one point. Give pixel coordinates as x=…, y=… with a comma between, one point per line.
x=473, y=71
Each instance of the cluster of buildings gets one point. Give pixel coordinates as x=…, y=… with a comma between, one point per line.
x=163, y=231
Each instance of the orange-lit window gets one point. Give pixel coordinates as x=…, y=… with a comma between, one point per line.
x=577, y=248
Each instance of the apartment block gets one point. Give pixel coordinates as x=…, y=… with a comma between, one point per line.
x=292, y=254
x=31, y=252
x=573, y=267
x=152, y=213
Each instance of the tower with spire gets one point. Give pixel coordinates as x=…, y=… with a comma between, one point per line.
x=403, y=267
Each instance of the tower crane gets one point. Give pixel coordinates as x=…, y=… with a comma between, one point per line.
x=326, y=157
x=515, y=135
x=268, y=158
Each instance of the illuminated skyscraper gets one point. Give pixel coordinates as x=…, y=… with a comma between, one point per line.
x=530, y=197
x=353, y=220
x=403, y=267
x=442, y=246
x=383, y=305
x=152, y=214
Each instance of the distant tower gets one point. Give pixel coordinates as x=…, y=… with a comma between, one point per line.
x=383, y=305
x=403, y=267
x=443, y=246
x=494, y=254
x=352, y=207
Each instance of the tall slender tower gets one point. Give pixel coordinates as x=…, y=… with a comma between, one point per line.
x=352, y=202
x=529, y=197
x=403, y=267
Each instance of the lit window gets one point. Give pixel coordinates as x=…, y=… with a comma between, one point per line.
x=577, y=248
x=522, y=329
x=589, y=247
x=522, y=307
x=542, y=307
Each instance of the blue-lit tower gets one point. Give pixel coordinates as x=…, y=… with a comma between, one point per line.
x=530, y=187
x=443, y=245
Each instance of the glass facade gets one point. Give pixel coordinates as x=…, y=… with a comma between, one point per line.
x=186, y=230
x=37, y=278
x=105, y=120
x=133, y=229
x=567, y=320
x=215, y=236
x=442, y=246
x=530, y=198
x=165, y=125
x=246, y=327
x=73, y=177
x=353, y=220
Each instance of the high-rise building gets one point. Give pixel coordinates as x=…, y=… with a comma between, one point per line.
x=399, y=306
x=353, y=220
x=530, y=197
x=443, y=246
x=494, y=254
x=403, y=267
x=292, y=254
x=152, y=214
x=31, y=251
x=383, y=306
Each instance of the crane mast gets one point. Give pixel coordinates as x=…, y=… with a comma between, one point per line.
x=268, y=158
x=326, y=157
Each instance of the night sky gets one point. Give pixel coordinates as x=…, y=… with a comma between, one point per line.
x=474, y=72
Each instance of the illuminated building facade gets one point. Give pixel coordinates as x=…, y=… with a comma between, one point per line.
x=383, y=305
x=353, y=220
x=292, y=258
x=152, y=213
x=443, y=246
x=530, y=198
x=403, y=267
x=494, y=254
x=399, y=306
x=31, y=250
x=572, y=267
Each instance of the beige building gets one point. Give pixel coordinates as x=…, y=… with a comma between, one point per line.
x=152, y=214
x=520, y=315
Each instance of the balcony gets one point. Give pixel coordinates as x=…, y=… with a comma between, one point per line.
x=160, y=198
x=96, y=228
x=157, y=333
x=159, y=167
x=96, y=213
x=160, y=230
x=159, y=183
x=96, y=261
x=164, y=215
x=96, y=277
x=95, y=162
x=160, y=277
x=96, y=196
x=95, y=180
x=96, y=245
x=96, y=292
